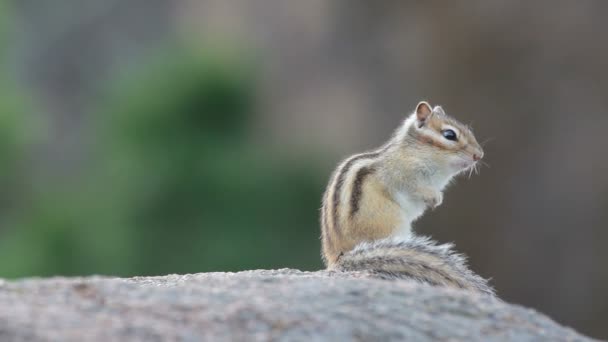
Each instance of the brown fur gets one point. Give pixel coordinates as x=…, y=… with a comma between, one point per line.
x=364, y=216
x=356, y=195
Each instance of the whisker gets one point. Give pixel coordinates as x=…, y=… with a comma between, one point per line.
x=481, y=162
x=482, y=144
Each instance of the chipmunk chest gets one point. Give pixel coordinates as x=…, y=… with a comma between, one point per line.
x=412, y=206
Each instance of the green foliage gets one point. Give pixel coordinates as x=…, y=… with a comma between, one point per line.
x=173, y=185
x=17, y=133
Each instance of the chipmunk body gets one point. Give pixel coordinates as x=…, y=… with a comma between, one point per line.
x=373, y=198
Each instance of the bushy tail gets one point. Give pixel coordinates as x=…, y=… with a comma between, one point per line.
x=418, y=258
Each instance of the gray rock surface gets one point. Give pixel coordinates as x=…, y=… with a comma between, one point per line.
x=284, y=305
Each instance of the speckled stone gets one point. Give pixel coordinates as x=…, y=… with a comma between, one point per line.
x=285, y=305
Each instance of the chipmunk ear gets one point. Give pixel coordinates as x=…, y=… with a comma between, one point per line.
x=438, y=110
x=423, y=112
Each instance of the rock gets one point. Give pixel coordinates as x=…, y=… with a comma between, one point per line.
x=284, y=305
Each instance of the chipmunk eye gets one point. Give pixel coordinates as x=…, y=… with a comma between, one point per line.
x=449, y=134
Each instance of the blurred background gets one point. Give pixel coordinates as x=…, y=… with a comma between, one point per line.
x=147, y=137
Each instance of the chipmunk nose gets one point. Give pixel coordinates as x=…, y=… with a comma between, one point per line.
x=477, y=156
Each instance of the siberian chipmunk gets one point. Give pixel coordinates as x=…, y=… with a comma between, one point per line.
x=373, y=198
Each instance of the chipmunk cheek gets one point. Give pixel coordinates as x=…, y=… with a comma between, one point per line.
x=427, y=140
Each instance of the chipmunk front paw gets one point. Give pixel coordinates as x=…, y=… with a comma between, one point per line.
x=432, y=198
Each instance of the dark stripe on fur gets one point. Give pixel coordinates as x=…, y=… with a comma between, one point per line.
x=441, y=274
x=340, y=182
x=357, y=192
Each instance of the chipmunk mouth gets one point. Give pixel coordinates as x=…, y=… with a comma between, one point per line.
x=470, y=167
x=465, y=164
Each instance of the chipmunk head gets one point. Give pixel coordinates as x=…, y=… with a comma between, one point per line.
x=444, y=138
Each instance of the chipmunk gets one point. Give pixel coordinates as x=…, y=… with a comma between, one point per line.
x=373, y=198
